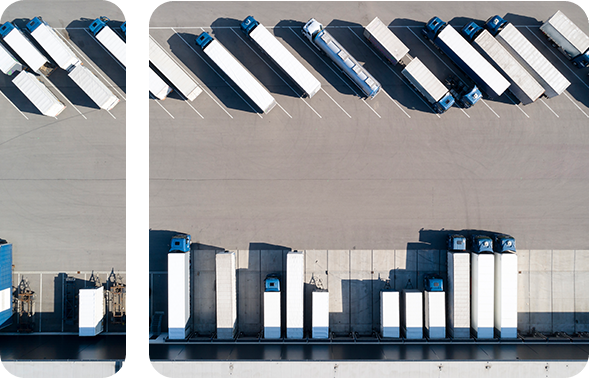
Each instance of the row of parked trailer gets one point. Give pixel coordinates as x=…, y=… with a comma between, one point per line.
x=498, y=58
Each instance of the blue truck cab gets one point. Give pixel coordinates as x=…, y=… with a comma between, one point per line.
x=6, y=281
x=456, y=243
x=128, y=26
x=180, y=243
x=34, y=24
x=433, y=282
x=504, y=243
x=482, y=244
x=272, y=283
x=6, y=28
x=433, y=27
x=98, y=24
x=470, y=31
x=495, y=24
x=248, y=25
x=203, y=40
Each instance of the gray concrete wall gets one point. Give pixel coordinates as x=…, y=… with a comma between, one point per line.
x=36, y=369
x=551, y=286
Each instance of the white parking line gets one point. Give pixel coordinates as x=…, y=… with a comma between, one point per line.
x=578, y=107
x=23, y=114
x=336, y=102
x=550, y=108
x=133, y=77
x=514, y=103
x=186, y=101
x=343, y=80
x=108, y=111
x=215, y=71
x=484, y=102
x=390, y=68
x=464, y=111
x=395, y=102
x=95, y=69
x=207, y=92
x=67, y=99
x=284, y=81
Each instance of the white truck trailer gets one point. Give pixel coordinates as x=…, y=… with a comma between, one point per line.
x=458, y=294
x=434, y=305
x=281, y=56
x=226, y=285
x=179, y=294
x=295, y=275
x=389, y=314
x=272, y=314
x=523, y=85
x=8, y=63
x=91, y=311
x=25, y=49
x=428, y=85
x=506, y=295
x=483, y=295
x=569, y=39
x=172, y=71
x=236, y=72
x=68, y=61
x=129, y=59
x=385, y=41
x=320, y=316
x=542, y=70
x=38, y=94
x=412, y=314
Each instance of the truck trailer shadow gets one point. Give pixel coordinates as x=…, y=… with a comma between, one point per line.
x=227, y=31
x=290, y=32
x=16, y=96
x=184, y=47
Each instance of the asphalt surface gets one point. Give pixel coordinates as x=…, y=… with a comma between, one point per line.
x=340, y=172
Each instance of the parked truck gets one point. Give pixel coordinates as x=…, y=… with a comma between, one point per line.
x=172, y=71
x=272, y=311
x=38, y=94
x=523, y=85
x=504, y=243
x=451, y=43
x=542, y=70
x=17, y=41
x=281, y=56
x=65, y=58
x=5, y=283
x=481, y=244
x=8, y=63
x=179, y=296
x=129, y=58
x=236, y=72
x=385, y=41
x=569, y=39
x=91, y=311
x=323, y=41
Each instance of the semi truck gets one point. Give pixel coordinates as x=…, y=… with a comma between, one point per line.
x=420, y=77
x=236, y=72
x=504, y=243
x=542, y=70
x=569, y=39
x=481, y=244
x=179, y=311
x=29, y=54
x=272, y=311
x=458, y=293
x=281, y=56
x=129, y=58
x=8, y=63
x=295, y=294
x=5, y=283
x=65, y=58
x=323, y=41
x=482, y=291
x=38, y=94
x=172, y=71
x=226, y=290
x=452, y=44
x=91, y=311
x=523, y=85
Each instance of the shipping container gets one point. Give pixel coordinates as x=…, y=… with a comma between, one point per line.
x=320, y=317
x=272, y=315
x=458, y=293
x=412, y=314
x=5, y=284
x=389, y=314
x=179, y=296
x=8, y=63
x=93, y=87
x=434, y=304
x=482, y=295
x=157, y=86
x=506, y=294
x=389, y=45
x=91, y=311
x=52, y=43
x=226, y=285
x=25, y=49
x=38, y=94
x=295, y=274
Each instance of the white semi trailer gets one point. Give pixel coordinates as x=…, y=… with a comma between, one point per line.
x=38, y=94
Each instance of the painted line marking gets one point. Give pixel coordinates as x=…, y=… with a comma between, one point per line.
x=345, y=82
x=514, y=103
x=95, y=69
x=207, y=92
x=550, y=108
x=272, y=69
x=108, y=52
x=67, y=99
x=385, y=63
x=133, y=77
x=108, y=111
x=484, y=102
x=578, y=107
x=23, y=114
x=189, y=104
x=464, y=111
